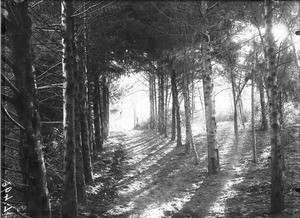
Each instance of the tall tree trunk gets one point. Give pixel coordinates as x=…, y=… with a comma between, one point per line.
x=80, y=180
x=241, y=107
x=235, y=117
x=90, y=130
x=193, y=105
x=277, y=197
x=173, y=128
x=101, y=113
x=177, y=108
x=3, y=163
x=155, y=102
x=297, y=62
x=166, y=106
x=254, y=153
x=105, y=98
x=97, y=120
x=161, y=104
x=187, y=109
x=86, y=152
x=264, y=122
x=151, y=100
x=69, y=205
x=90, y=107
x=211, y=126
x=189, y=142
x=38, y=204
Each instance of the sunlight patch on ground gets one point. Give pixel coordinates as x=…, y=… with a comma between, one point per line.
x=239, y=169
x=151, y=161
x=121, y=209
x=136, y=158
x=266, y=153
x=94, y=189
x=227, y=192
x=156, y=210
x=136, y=185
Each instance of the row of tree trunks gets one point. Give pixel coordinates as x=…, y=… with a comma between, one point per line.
x=31, y=153
x=79, y=143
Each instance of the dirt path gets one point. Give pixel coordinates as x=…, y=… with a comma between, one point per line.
x=159, y=180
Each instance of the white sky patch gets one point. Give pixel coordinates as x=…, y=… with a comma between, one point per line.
x=280, y=32
x=134, y=103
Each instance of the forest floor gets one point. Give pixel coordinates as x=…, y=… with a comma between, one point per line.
x=142, y=174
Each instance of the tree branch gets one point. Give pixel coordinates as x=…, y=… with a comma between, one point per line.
x=12, y=119
x=6, y=81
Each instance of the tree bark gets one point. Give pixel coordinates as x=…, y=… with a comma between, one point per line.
x=187, y=109
x=3, y=162
x=189, y=142
x=193, y=105
x=161, y=104
x=277, y=197
x=90, y=130
x=97, y=120
x=90, y=107
x=105, y=98
x=264, y=122
x=173, y=85
x=254, y=153
x=37, y=195
x=235, y=117
x=211, y=126
x=69, y=205
x=151, y=100
x=155, y=101
x=166, y=106
x=177, y=108
x=83, y=110
x=80, y=180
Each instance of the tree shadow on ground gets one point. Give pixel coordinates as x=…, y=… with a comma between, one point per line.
x=165, y=186
x=253, y=198
x=212, y=186
x=157, y=177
